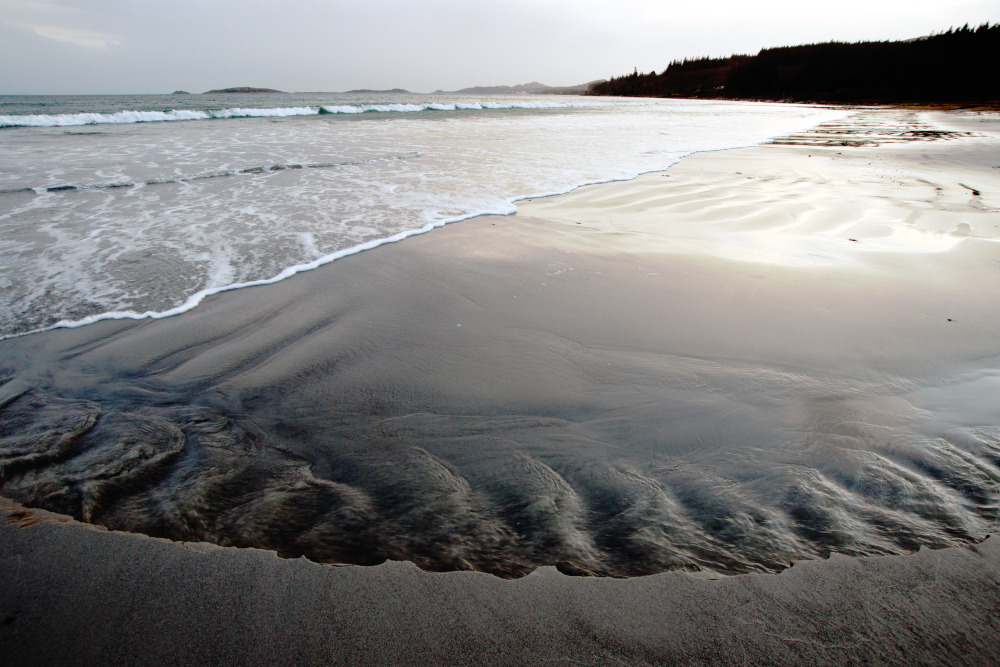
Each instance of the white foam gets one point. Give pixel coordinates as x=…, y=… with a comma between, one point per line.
x=264, y=113
x=69, y=120
x=156, y=252
x=222, y=271
x=343, y=108
x=198, y=297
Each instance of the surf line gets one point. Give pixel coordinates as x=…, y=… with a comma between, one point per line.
x=212, y=174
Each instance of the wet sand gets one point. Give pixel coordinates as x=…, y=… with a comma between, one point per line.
x=761, y=356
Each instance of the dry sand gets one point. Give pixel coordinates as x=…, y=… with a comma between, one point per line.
x=839, y=291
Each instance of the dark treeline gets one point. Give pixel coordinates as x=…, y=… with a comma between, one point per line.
x=957, y=66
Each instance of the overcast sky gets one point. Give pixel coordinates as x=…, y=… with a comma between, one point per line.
x=157, y=46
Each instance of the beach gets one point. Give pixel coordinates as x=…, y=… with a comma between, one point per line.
x=692, y=379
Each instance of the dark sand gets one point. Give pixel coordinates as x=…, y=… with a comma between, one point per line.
x=762, y=356
x=71, y=594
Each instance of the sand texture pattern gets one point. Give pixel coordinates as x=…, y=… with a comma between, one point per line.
x=760, y=356
x=766, y=356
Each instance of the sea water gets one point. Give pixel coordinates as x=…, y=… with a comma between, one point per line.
x=139, y=206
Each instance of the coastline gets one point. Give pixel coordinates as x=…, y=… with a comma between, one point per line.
x=885, y=306
x=170, y=304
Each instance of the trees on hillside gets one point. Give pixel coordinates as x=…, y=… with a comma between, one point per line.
x=953, y=66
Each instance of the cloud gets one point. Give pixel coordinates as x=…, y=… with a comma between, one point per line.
x=52, y=46
x=60, y=21
x=78, y=36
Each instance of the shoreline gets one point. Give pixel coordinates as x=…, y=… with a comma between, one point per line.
x=193, y=300
x=781, y=307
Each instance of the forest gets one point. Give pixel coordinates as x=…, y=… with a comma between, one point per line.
x=953, y=67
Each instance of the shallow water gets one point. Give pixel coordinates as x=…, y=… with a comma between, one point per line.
x=124, y=216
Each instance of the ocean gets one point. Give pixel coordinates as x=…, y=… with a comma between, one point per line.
x=139, y=206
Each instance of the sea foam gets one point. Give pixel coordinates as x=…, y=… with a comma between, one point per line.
x=95, y=227
x=129, y=116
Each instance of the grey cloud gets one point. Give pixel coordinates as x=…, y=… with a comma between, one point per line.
x=105, y=46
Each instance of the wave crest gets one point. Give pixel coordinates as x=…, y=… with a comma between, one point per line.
x=131, y=116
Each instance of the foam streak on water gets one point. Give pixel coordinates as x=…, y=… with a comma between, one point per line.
x=118, y=117
x=85, y=235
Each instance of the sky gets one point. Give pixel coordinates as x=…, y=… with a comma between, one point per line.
x=158, y=46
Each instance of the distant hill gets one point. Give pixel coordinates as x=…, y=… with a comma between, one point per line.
x=397, y=91
x=242, y=90
x=533, y=88
x=956, y=67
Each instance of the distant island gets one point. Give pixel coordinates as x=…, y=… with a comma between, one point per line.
x=180, y=92
x=954, y=67
x=398, y=91
x=242, y=90
x=533, y=88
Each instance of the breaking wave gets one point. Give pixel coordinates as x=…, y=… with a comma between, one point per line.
x=128, y=116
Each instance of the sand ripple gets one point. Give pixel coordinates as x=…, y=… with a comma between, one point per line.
x=501, y=495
